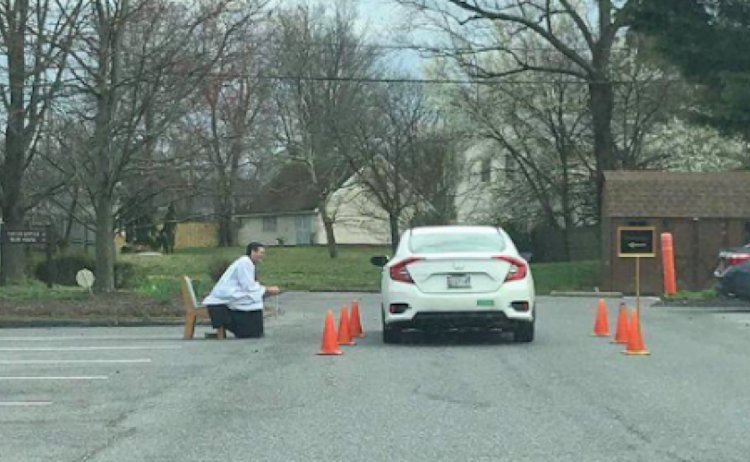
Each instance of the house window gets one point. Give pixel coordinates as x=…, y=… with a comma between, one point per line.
x=269, y=224
x=486, y=172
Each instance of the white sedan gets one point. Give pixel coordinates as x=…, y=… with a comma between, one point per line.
x=457, y=276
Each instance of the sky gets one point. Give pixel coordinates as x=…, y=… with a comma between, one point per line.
x=386, y=22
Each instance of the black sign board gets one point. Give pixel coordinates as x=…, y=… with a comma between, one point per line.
x=25, y=236
x=31, y=236
x=636, y=241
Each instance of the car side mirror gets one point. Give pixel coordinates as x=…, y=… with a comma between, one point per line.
x=379, y=261
x=527, y=256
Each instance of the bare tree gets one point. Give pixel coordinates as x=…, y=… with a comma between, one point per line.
x=438, y=176
x=323, y=65
x=646, y=98
x=233, y=127
x=35, y=41
x=542, y=129
x=586, y=48
x=133, y=93
x=390, y=151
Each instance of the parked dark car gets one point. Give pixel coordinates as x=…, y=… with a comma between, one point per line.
x=731, y=257
x=735, y=281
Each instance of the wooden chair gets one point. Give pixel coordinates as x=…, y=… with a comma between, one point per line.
x=193, y=310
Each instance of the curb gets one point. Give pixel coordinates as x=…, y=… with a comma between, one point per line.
x=107, y=322
x=556, y=293
x=338, y=291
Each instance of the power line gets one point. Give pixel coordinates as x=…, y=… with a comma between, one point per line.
x=498, y=81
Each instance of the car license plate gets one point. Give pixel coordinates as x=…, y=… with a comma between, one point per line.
x=459, y=281
x=485, y=302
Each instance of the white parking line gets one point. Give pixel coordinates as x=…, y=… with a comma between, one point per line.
x=81, y=377
x=75, y=361
x=94, y=348
x=24, y=403
x=66, y=338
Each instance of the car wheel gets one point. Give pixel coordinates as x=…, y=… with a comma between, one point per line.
x=390, y=334
x=524, y=332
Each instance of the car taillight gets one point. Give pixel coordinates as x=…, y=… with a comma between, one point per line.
x=518, y=268
x=737, y=258
x=400, y=273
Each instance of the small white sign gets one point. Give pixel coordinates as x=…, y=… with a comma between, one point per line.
x=85, y=278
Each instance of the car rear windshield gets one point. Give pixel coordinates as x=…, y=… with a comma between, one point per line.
x=437, y=242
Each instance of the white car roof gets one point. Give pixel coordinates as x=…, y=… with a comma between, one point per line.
x=454, y=229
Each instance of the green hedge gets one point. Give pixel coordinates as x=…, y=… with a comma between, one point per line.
x=65, y=268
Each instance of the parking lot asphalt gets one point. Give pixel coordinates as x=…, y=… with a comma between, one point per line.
x=143, y=394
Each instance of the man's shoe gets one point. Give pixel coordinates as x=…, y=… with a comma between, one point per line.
x=212, y=335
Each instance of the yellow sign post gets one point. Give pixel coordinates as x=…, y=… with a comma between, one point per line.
x=636, y=242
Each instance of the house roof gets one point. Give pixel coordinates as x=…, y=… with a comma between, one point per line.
x=289, y=191
x=677, y=194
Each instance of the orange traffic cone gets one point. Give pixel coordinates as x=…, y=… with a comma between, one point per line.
x=355, y=325
x=635, y=338
x=601, y=324
x=621, y=334
x=345, y=337
x=329, y=345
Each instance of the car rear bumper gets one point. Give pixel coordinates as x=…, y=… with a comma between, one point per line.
x=459, y=319
x=466, y=309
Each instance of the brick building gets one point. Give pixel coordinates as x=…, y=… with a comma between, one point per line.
x=704, y=212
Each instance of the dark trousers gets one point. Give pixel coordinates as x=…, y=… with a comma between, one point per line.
x=243, y=324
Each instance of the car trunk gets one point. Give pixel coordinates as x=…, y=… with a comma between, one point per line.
x=459, y=274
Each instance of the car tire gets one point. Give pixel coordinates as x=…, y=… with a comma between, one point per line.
x=391, y=334
x=524, y=332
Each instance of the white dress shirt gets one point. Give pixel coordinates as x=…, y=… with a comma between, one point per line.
x=238, y=288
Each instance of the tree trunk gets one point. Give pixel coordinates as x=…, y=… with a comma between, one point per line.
x=226, y=237
x=395, y=235
x=103, y=200
x=333, y=251
x=567, y=239
x=13, y=256
x=224, y=206
x=70, y=219
x=11, y=177
x=105, y=246
x=601, y=101
x=566, y=205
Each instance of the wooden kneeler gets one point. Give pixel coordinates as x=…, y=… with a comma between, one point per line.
x=193, y=310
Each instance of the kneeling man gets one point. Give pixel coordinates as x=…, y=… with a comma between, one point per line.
x=236, y=301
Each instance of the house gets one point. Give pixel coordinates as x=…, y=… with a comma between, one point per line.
x=287, y=213
x=485, y=195
x=476, y=191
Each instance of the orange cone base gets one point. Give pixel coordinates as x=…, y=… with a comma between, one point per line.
x=330, y=353
x=637, y=353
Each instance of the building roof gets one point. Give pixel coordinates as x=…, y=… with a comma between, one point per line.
x=289, y=191
x=677, y=194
